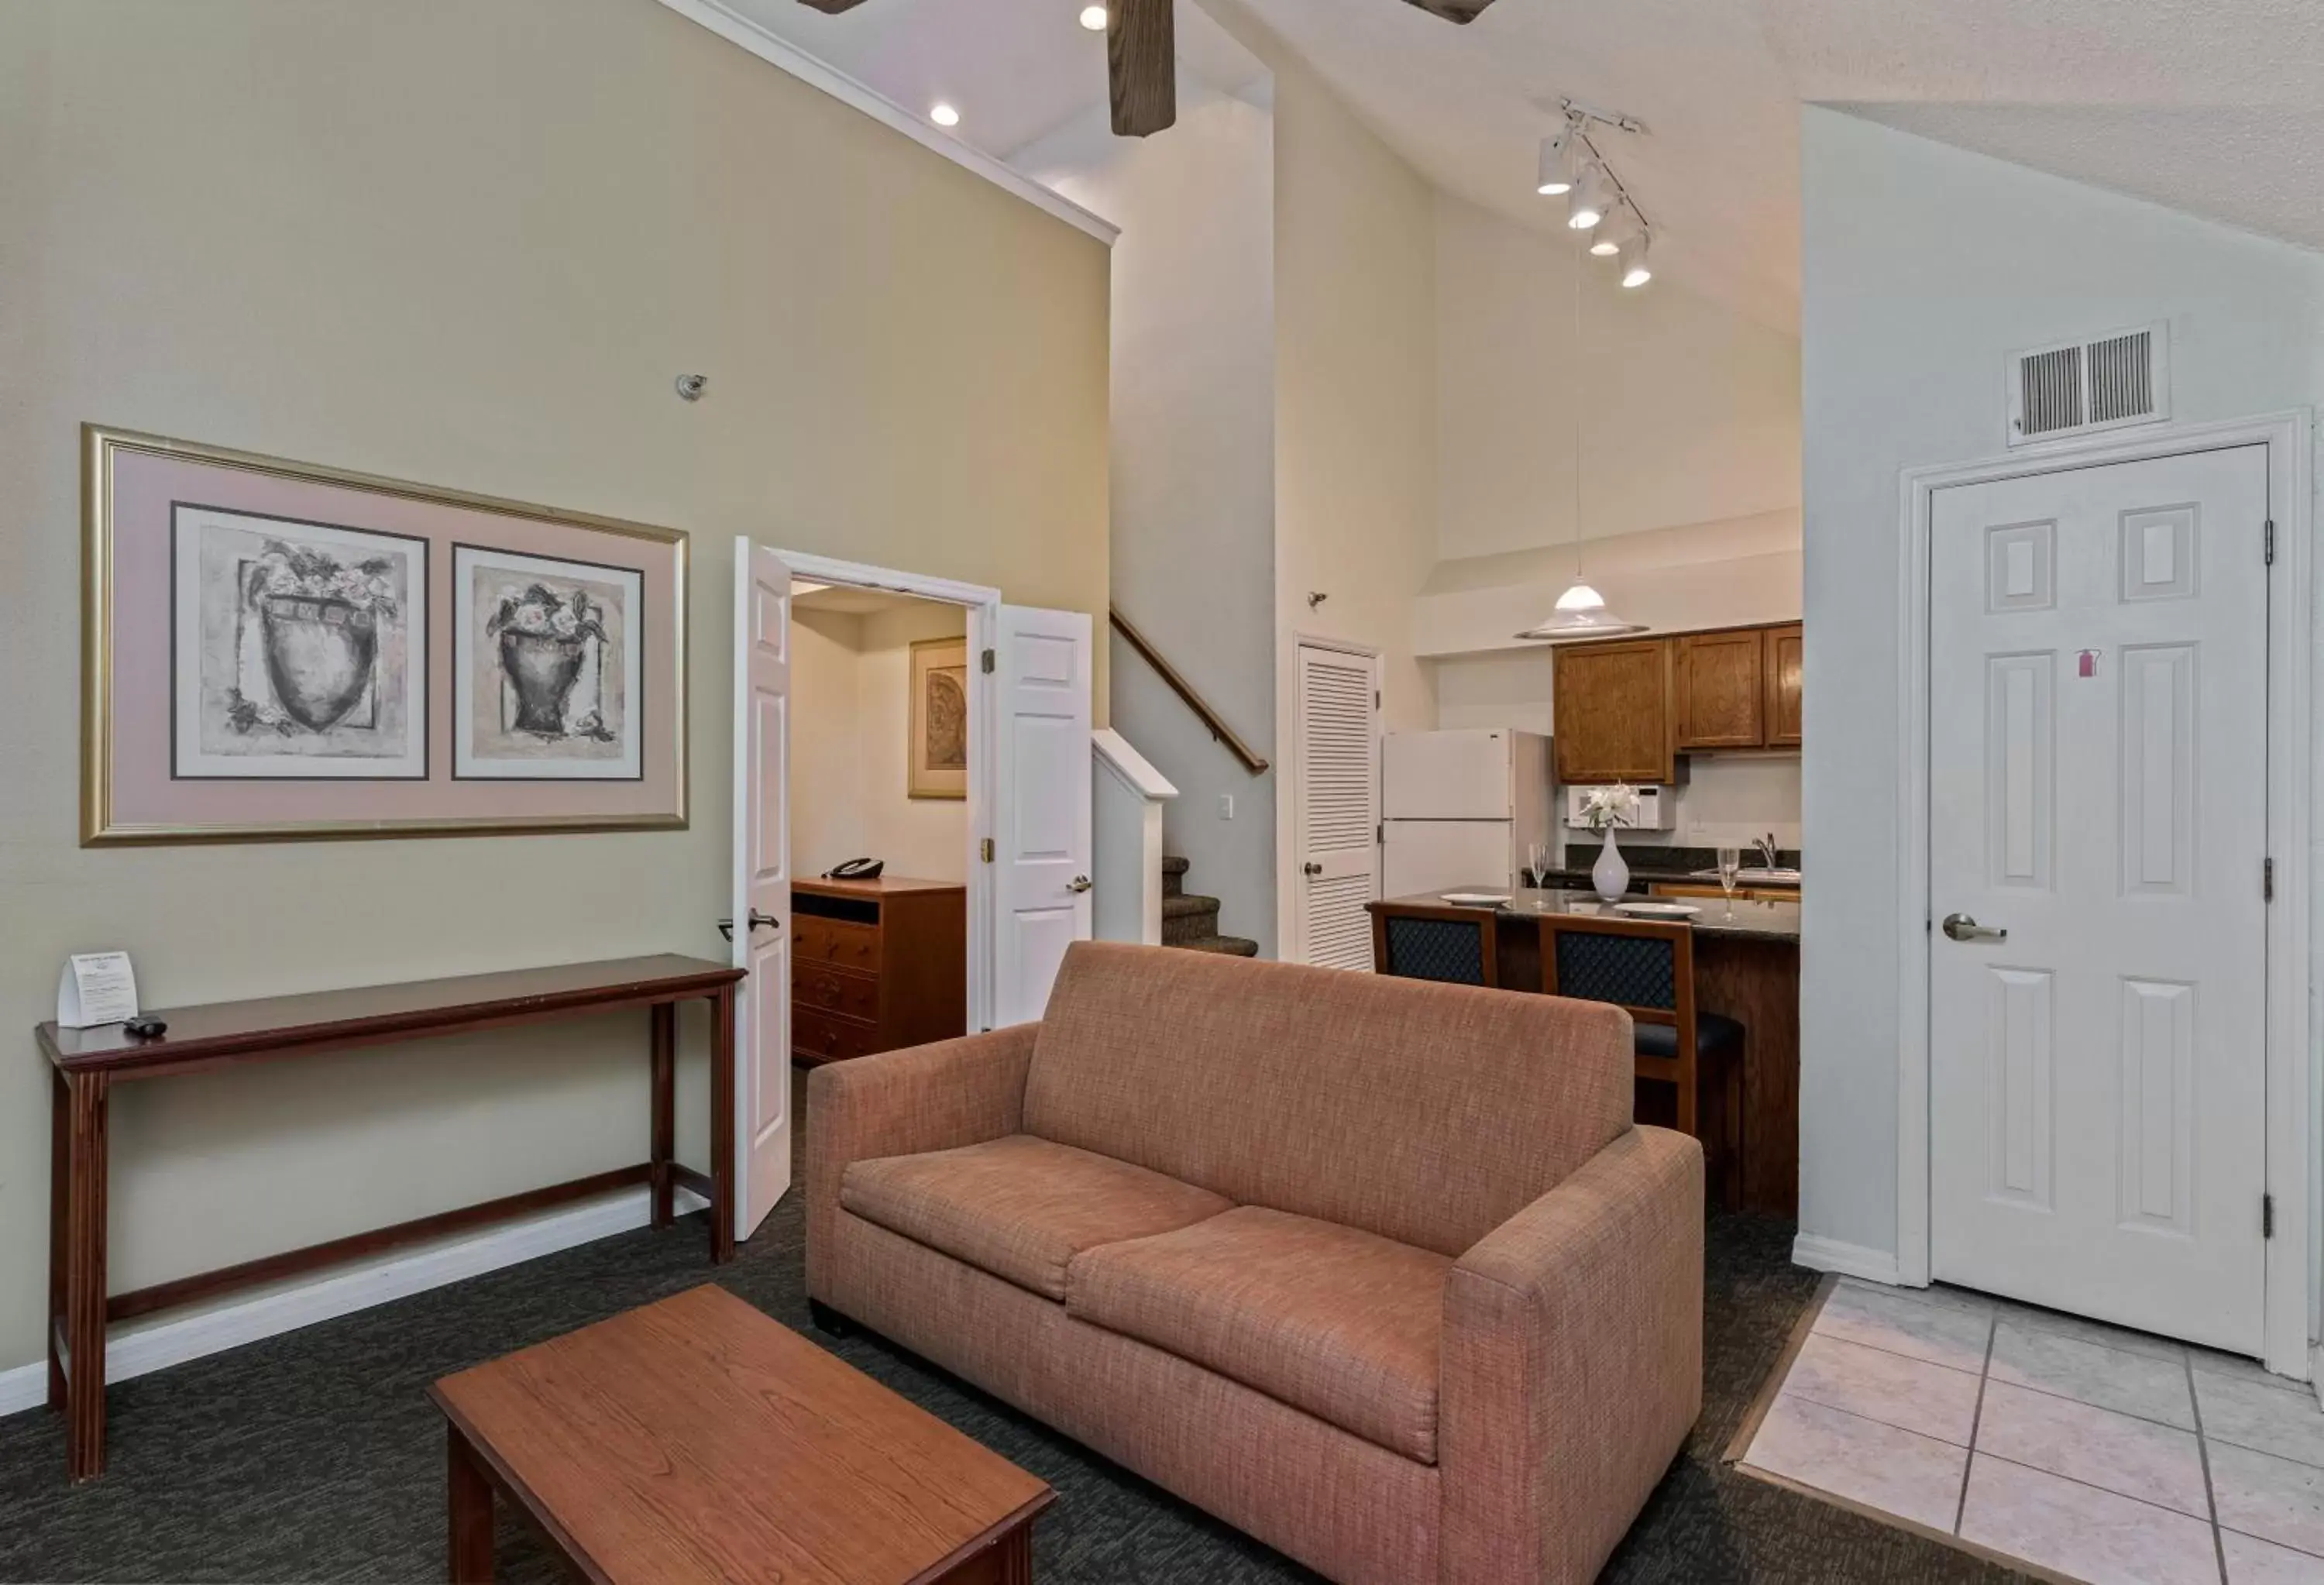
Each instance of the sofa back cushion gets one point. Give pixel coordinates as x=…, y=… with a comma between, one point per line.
x=1423, y=1112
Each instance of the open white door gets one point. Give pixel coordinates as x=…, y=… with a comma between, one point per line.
x=1042, y=851
x=761, y=896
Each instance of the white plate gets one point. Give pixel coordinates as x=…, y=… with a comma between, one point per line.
x=1474, y=900
x=1658, y=910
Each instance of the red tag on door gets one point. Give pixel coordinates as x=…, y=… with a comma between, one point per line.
x=2087, y=663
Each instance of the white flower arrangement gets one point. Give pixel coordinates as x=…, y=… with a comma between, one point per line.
x=1605, y=808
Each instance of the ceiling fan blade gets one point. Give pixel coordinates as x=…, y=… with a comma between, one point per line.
x=834, y=7
x=1142, y=60
x=1463, y=12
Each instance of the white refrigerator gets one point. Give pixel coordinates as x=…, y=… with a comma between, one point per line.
x=1460, y=808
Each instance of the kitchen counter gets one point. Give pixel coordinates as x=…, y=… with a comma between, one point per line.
x=1746, y=967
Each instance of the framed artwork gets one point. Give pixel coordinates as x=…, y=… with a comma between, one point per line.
x=935, y=761
x=277, y=650
x=545, y=669
x=297, y=649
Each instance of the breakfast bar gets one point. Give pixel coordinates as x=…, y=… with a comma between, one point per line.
x=1746, y=967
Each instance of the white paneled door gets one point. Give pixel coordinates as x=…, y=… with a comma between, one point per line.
x=1335, y=805
x=761, y=894
x=2097, y=949
x=1043, y=850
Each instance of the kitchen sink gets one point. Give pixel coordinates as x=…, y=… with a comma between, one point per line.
x=1756, y=877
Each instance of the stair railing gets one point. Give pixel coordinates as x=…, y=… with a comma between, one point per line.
x=1179, y=685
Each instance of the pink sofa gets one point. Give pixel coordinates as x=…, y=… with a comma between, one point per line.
x=1377, y=1270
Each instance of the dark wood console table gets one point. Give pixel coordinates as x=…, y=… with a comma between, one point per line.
x=88, y=1062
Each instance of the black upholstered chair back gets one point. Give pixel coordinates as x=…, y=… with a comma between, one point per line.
x=1414, y=941
x=1635, y=971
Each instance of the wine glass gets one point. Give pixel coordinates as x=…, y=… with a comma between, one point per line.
x=1730, y=867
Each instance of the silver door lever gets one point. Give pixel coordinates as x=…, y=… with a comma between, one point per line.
x=1962, y=927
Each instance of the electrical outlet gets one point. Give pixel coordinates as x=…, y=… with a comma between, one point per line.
x=1226, y=805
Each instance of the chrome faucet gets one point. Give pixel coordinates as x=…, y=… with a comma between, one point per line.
x=1767, y=846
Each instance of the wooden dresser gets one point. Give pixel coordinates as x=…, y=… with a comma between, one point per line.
x=875, y=965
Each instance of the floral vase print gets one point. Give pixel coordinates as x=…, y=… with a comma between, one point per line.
x=544, y=667
x=294, y=652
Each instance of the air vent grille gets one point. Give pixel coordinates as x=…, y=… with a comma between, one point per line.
x=2085, y=385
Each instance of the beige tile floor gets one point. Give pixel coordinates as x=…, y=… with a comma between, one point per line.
x=2094, y=1453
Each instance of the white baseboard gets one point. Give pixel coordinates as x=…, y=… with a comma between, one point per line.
x=1818, y=1254
x=135, y=1349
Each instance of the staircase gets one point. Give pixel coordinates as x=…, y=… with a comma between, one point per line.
x=1193, y=922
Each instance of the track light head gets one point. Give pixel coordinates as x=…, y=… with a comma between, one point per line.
x=1585, y=206
x=1557, y=161
x=1635, y=268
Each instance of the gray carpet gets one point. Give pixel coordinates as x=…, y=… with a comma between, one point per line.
x=316, y=1456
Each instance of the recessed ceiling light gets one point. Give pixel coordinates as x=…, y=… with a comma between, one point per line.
x=1093, y=18
x=944, y=114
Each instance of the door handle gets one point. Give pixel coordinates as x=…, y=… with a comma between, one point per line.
x=1312, y=868
x=726, y=927
x=1079, y=884
x=1962, y=927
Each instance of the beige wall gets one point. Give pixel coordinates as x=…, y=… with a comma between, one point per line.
x=1690, y=411
x=851, y=702
x=472, y=245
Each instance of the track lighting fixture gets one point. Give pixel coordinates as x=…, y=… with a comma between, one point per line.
x=1636, y=271
x=1585, y=206
x=1557, y=161
x=1608, y=242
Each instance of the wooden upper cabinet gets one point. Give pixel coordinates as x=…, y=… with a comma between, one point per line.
x=1613, y=711
x=1722, y=699
x=1782, y=667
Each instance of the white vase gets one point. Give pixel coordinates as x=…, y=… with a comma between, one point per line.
x=1611, y=875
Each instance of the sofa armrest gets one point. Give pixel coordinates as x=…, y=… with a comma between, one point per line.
x=1572, y=1365
x=923, y=1098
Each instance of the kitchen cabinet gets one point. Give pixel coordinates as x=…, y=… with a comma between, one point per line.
x=1723, y=696
x=1782, y=674
x=1613, y=704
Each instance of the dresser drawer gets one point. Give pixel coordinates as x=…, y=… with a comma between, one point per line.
x=824, y=1037
x=819, y=987
x=836, y=941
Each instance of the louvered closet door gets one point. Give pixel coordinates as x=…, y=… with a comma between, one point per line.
x=1335, y=805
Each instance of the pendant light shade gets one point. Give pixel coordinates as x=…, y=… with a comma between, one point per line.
x=1580, y=614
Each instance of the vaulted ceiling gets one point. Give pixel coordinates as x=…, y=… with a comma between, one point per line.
x=2213, y=106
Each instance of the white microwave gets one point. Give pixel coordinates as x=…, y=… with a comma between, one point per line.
x=1657, y=809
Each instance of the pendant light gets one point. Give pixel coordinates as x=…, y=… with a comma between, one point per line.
x=1557, y=162
x=1585, y=206
x=1581, y=612
x=1635, y=268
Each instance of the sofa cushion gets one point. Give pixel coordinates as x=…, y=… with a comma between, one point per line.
x=1020, y=1208
x=1341, y=1324
x=1425, y=1113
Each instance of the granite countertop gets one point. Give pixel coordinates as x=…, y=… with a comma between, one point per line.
x=1751, y=921
x=1652, y=865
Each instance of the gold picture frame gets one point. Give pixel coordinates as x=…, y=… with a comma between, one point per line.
x=132, y=792
x=935, y=755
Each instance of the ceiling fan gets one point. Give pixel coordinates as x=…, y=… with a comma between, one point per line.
x=1141, y=55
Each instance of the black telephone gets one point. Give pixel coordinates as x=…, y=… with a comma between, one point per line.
x=856, y=869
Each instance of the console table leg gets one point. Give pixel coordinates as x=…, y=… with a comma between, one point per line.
x=84, y=1284
x=665, y=1110
x=470, y=1492
x=722, y=1126
x=59, y=1200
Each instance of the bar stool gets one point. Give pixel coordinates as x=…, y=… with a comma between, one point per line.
x=1422, y=941
x=1648, y=968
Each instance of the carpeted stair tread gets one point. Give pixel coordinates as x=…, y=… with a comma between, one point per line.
x=1174, y=875
x=1233, y=947
x=1188, y=902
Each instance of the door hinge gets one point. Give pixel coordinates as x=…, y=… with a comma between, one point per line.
x=984, y=848
x=1376, y=698
x=2270, y=541
x=2267, y=1216
x=986, y=662
x=2267, y=881
x=1380, y=836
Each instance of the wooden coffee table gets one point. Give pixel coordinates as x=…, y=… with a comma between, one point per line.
x=697, y=1439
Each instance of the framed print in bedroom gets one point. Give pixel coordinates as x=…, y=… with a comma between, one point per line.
x=276, y=651
x=935, y=762
x=545, y=667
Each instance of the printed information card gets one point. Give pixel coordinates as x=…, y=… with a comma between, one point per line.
x=97, y=988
